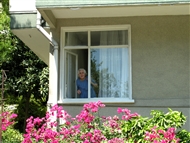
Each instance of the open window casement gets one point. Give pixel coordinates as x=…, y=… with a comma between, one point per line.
x=105, y=53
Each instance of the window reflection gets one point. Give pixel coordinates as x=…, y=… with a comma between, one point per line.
x=76, y=39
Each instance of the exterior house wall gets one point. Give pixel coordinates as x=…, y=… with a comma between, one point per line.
x=160, y=63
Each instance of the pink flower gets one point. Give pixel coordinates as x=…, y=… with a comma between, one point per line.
x=13, y=116
x=119, y=110
x=161, y=136
x=116, y=140
x=88, y=127
x=7, y=120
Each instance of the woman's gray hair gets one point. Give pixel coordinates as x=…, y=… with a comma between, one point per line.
x=81, y=69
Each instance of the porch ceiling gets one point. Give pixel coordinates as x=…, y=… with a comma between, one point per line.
x=50, y=15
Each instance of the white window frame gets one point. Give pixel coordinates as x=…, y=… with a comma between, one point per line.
x=62, y=63
x=67, y=69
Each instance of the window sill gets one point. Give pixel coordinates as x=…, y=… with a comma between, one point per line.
x=103, y=100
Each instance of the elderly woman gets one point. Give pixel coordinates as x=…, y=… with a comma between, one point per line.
x=82, y=84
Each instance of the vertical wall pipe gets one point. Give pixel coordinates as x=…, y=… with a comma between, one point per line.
x=53, y=64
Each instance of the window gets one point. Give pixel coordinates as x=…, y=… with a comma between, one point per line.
x=104, y=52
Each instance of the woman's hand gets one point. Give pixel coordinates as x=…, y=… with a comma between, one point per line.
x=78, y=92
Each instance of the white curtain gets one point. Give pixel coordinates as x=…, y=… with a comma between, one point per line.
x=70, y=75
x=113, y=69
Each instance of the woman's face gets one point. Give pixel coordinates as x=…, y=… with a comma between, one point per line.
x=82, y=74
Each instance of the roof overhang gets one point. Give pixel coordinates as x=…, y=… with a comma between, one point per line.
x=51, y=15
x=36, y=41
x=52, y=10
x=103, y=3
x=23, y=17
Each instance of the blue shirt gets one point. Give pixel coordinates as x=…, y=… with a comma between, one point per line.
x=82, y=85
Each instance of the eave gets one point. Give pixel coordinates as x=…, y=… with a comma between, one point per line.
x=113, y=11
x=25, y=26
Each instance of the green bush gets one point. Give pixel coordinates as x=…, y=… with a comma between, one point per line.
x=12, y=136
x=184, y=136
x=136, y=129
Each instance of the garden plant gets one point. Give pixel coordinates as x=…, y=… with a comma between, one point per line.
x=89, y=127
x=9, y=134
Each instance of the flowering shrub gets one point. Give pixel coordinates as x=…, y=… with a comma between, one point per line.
x=7, y=119
x=9, y=135
x=161, y=136
x=88, y=127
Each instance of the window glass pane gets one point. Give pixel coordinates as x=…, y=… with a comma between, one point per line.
x=109, y=69
x=76, y=82
x=76, y=39
x=70, y=75
x=119, y=37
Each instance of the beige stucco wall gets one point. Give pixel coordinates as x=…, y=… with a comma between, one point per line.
x=160, y=62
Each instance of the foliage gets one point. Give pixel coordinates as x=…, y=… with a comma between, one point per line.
x=5, y=4
x=25, y=72
x=88, y=127
x=94, y=71
x=12, y=136
x=44, y=83
x=36, y=109
x=9, y=135
x=5, y=35
x=184, y=136
x=159, y=121
x=7, y=119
